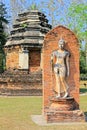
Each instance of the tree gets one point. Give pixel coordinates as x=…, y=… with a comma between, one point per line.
x=56, y=10
x=82, y=62
x=52, y=9
x=86, y=54
x=77, y=21
x=3, y=35
x=16, y=6
x=2, y=20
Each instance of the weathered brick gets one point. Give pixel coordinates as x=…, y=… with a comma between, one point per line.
x=72, y=45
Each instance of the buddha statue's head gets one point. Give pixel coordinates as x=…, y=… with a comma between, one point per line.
x=61, y=43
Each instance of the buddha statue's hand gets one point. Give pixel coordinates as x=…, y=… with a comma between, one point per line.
x=67, y=74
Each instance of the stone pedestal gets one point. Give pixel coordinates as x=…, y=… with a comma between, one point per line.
x=63, y=110
x=61, y=104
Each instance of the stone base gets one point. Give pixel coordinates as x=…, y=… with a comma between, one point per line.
x=63, y=110
x=63, y=104
x=65, y=116
x=41, y=121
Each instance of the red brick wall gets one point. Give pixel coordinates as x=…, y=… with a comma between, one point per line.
x=20, y=83
x=12, y=58
x=34, y=60
x=51, y=44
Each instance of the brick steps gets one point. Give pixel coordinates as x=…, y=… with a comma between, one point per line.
x=21, y=92
x=12, y=84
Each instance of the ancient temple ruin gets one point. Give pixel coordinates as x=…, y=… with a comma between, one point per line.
x=24, y=47
x=24, y=50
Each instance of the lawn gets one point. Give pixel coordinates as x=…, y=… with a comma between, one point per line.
x=15, y=114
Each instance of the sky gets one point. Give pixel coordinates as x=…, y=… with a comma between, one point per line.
x=61, y=10
x=45, y=11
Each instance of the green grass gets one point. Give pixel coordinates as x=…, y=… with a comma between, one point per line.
x=15, y=114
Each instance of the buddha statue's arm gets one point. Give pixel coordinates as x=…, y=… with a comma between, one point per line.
x=52, y=64
x=67, y=65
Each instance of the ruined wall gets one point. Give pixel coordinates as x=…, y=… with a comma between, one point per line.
x=12, y=58
x=15, y=83
x=34, y=60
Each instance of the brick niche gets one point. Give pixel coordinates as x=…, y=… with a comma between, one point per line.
x=61, y=112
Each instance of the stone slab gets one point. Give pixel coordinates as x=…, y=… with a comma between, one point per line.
x=40, y=120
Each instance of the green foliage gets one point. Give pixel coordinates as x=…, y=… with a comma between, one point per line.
x=86, y=54
x=77, y=17
x=2, y=62
x=33, y=6
x=3, y=36
x=83, y=76
x=82, y=62
x=24, y=25
x=2, y=20
x=77, y=21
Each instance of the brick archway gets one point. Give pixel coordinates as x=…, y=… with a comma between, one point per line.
x=51, y=44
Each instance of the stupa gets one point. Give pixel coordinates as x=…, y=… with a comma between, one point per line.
x=24, y=52
x=24, y=46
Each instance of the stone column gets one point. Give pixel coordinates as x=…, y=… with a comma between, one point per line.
x=24, y=59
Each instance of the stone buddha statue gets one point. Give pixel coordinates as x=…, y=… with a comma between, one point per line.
x=61, y=69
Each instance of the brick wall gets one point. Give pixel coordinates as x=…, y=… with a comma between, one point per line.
x=12, y=58
x=34, y=60
x=20, y=83
x=51, y=44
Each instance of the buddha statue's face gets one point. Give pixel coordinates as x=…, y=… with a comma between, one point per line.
x=61, y=44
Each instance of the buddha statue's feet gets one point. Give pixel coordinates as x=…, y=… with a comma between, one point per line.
x=66, y=94
x=58, y=96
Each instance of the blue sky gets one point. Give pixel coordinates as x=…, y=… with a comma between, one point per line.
x=60, y=9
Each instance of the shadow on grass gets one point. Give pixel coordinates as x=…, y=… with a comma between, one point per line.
x=83, y=90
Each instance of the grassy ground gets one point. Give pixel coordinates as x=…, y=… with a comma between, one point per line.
x=15, y=114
